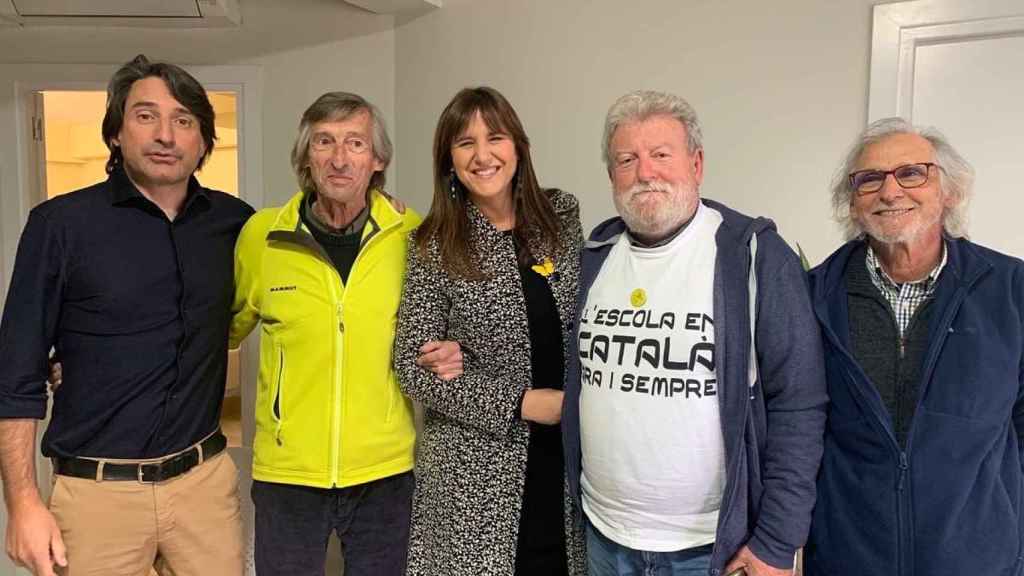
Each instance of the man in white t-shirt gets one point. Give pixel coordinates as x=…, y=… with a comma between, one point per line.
x=687, y=453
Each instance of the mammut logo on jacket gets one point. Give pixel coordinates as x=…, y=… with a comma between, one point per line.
x=282, y=288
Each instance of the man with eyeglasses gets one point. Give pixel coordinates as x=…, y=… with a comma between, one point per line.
x=333, y=450
x=924, y=332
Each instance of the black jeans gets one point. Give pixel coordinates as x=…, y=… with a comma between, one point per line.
x=293, y=524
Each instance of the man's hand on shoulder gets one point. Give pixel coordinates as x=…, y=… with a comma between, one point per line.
x=397, y=204
x=752, y=565
x=33, y=538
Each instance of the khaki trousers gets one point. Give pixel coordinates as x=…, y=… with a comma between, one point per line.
x=187, y=526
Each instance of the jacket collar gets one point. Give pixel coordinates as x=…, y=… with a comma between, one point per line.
x=483, y=233
x=965, y=264
x=965, y=261
x=479, y=225
x=288, y=226
x=382, y=215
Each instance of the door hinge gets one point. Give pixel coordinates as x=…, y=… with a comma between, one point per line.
x=37, y=128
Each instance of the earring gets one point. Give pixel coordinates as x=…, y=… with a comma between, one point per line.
x=453, y=190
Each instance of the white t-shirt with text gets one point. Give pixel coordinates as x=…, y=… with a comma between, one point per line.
x=653, y=453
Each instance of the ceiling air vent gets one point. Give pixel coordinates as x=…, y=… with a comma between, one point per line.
x=398, y=7
x=145, y=13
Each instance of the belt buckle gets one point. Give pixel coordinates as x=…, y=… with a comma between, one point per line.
x=170, y=468
x=142, y=473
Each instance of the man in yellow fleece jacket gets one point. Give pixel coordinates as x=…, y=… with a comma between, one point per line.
x=323, y=274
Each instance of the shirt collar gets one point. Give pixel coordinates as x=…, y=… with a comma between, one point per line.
x=881, y=278
x=123, y=190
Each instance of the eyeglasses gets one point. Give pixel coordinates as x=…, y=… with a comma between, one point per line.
x=907, y=176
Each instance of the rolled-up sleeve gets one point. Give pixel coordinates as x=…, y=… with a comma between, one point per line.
x=30, y=318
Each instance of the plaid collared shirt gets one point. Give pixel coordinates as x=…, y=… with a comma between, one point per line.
x=907, y=297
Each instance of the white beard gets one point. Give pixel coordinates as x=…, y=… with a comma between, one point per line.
x=656, y=208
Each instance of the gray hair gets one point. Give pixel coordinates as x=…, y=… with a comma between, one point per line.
x=956, y=182
x=643, y=104
x=337, y=106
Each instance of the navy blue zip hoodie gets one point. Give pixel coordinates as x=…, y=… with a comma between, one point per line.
x=773, y=431
x=949, y=504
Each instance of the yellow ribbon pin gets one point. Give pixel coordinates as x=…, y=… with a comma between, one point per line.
x=545, y=268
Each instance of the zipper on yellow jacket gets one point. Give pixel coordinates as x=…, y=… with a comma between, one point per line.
x=339, y=304
x=339, y=365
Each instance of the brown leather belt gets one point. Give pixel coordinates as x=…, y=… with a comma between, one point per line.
x=143, y=472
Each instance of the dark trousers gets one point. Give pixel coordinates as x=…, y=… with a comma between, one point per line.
x=293, y=524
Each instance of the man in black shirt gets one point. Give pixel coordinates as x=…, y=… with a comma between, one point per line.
x=130, y=280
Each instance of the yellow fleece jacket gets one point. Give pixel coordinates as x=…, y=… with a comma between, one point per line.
x=329, y=412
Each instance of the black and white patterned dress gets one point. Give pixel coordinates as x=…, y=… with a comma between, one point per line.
x=472, y=452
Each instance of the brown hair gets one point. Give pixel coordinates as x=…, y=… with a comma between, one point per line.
x=447, y=221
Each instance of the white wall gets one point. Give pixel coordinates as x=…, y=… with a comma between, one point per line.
x=781, y=89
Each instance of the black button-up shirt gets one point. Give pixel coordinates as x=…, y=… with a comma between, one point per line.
x=138, y=309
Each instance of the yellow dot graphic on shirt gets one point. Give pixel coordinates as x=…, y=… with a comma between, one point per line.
x=638, y=298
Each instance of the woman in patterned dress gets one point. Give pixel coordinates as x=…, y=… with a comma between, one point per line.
x=494, y=266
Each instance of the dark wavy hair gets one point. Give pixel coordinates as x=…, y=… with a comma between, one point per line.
x=185, y=89
x=447, y=220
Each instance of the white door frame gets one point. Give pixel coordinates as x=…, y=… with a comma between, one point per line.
x=900, y=28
